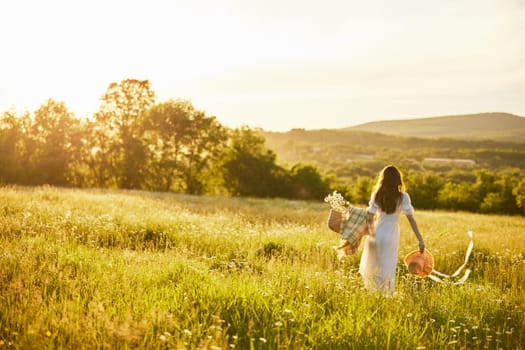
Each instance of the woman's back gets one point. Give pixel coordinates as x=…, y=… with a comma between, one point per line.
x=379, y=259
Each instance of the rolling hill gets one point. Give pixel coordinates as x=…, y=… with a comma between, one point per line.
x=489, y=140
x=483, y=126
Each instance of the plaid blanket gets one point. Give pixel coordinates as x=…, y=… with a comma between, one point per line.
x=354, y=229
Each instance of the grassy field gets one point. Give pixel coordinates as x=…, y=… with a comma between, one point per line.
x=86, y=269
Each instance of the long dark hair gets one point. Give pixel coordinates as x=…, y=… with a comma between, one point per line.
x=389, y=189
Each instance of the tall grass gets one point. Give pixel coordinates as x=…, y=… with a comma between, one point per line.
x=122, y=269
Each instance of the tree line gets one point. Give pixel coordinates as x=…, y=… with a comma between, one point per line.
x=134, y=142
x=481, y=191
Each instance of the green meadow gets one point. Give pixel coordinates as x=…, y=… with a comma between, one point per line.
x=101, y=269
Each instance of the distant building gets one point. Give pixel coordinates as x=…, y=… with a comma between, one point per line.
x=354, y=157
x=364, y=156
x=456, y=161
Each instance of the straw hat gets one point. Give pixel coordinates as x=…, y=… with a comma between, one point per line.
x=420, y=264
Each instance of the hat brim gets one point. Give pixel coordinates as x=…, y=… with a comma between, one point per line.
x=428, y=259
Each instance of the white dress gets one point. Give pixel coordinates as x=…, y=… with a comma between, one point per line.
x=379, y=259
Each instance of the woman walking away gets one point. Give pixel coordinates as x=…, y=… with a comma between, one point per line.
x=379, y=259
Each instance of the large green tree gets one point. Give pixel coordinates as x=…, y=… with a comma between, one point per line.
x=207, y=138
x=89, y=166
x=14, y=148
x=166, y=135
x=119, y=132
x=249, y=168
x=308, y=183
x=183, y=145
x=53, y=133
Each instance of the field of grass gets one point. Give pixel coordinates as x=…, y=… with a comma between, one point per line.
x=86, y=269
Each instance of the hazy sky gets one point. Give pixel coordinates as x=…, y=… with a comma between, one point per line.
x=275, y=64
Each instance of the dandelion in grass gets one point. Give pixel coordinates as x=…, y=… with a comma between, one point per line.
x=48, y=334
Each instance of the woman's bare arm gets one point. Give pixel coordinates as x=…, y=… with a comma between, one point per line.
x=413, y=224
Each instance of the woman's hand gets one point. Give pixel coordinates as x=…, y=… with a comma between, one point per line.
x=421, y=247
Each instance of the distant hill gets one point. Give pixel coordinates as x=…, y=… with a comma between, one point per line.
x=490, y=140
x=483, y=126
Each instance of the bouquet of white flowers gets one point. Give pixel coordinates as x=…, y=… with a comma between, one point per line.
x=337, y=201
x=338, y=211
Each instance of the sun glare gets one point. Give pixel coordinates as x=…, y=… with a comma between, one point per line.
x=373, y=60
